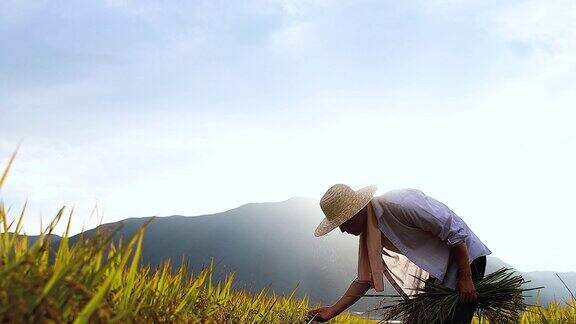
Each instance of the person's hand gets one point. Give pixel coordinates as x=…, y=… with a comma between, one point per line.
x=467, y=291
x=323, y=314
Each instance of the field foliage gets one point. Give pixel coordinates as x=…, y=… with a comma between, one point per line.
x=98, y=280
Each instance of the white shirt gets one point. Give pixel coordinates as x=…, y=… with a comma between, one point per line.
x=422, y=229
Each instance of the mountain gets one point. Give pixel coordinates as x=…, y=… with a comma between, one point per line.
x=554, y=288
x=273, y=244
x=53, y=238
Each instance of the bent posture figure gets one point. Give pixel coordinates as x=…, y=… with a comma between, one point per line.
x=403, y=234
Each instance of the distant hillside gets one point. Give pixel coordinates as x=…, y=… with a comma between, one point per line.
x=273, y=243
x=33, y=238
x=555, y=289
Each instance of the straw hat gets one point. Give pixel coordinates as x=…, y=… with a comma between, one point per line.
x=340, y=203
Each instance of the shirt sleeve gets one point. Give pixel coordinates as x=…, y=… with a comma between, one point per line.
x=433, y=216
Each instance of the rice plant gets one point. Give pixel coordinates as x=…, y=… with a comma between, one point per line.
x=557, y=312
x=97, y=280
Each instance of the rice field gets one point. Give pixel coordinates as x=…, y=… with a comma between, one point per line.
x=97, y=280
x=554, y=313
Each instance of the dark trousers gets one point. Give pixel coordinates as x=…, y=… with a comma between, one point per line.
x=465, y=311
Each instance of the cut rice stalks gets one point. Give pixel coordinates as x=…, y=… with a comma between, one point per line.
x=500, y=300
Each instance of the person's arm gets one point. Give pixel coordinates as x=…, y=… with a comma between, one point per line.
x=465, y=284
x=356, y=290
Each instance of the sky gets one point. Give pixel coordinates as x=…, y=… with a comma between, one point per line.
x=139, y=108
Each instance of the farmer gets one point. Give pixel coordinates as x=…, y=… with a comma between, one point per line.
x=403, y=233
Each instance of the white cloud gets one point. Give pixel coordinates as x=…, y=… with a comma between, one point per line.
x=292, y=37
x=299, y=8
x=546, y=31
x=550, y=25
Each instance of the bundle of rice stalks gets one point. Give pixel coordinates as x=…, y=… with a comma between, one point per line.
x=499, y=300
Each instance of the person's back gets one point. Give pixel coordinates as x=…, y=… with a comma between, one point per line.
x=423, y=229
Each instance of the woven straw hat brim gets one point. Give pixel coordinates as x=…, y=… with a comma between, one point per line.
x=364, y=196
